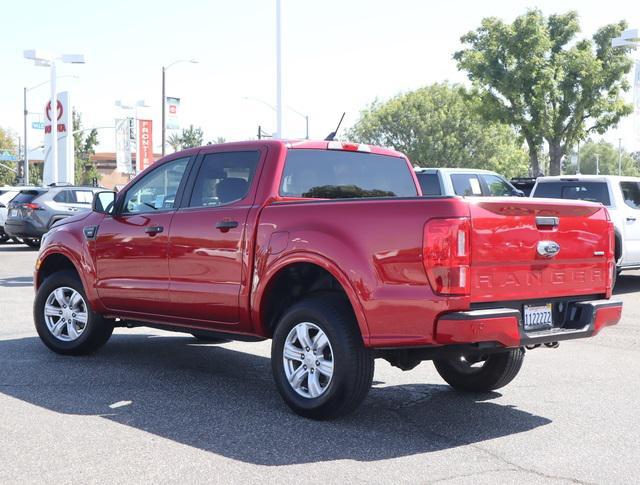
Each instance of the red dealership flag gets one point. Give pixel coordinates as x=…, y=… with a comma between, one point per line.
x=145, y=144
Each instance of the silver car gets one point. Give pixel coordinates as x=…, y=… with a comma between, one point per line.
x=33, y=211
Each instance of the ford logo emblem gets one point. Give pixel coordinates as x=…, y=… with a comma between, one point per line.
x=548, y=249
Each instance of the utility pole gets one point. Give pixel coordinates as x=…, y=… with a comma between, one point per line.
x=278, y=72
x=578, y=169
x=25, y=166
x=597, y=164
x=259, y=132
x=54, y=122
x=619, y=156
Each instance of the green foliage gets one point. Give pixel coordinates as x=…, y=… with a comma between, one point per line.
x=84, y=146
x=608, y=160
x=191, y=137
x=217, y=140
x=535, y=75
x=439, y=126
x=175, y=142
x=7, y=142
x=344, y=192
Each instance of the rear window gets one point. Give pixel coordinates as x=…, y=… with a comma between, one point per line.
x=574, y=190
x=25, y=196
x=332, y=174
x=466, y=184
x=429, y=183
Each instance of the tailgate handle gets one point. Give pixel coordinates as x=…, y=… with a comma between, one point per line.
x=547, y=221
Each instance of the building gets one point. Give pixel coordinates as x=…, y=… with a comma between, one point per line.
x=106, y=165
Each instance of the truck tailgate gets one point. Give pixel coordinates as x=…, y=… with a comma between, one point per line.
x=524, y=249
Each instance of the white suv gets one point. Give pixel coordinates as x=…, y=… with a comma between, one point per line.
x=464, y=182
x=621, y=196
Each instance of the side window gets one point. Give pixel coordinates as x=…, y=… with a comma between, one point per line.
x=466, y=184
x=224, y=178
x=631, y=194
x=62, y=197
x=497, y=186
x=429, y=183
x=156, y=190
x=82, y=197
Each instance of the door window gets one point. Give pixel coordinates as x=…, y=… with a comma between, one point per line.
x=157, y=190
x=466, y=184
x=497, y=186
x=631, y=194
x=224, y=178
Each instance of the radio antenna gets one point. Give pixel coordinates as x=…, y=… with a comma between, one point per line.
x=333, y=134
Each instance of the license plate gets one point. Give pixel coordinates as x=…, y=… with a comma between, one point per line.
x=538, y=316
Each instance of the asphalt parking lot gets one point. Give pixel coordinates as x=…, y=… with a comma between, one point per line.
x=154, y=406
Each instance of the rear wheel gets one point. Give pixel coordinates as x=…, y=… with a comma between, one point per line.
x=63, y=318
x=320, y=365
x=482, y=373
x=3, y=238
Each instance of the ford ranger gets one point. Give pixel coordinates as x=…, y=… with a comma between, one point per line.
x=328, y=249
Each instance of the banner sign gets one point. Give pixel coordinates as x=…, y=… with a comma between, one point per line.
x=62, y=122
x=145, y=144
x=173, y=106
x=123, y=146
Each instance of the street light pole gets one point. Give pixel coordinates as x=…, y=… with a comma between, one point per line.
x=25, y=167
x=163, y=112
x=54, y=122
x=278, y=72
x=164, y=70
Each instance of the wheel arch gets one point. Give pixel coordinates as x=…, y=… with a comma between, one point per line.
x=299, y=275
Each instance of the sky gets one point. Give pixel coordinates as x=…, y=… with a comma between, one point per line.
x=338, y=56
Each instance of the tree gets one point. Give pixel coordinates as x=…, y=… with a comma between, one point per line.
x=7, y=142
x=439, y=126
x=606, y=156
x=175, y=142
x=84, y=146
x=191, y=137
x=217, y=140
x=534, y=75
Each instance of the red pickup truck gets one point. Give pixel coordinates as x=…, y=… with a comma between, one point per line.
x=328, y=249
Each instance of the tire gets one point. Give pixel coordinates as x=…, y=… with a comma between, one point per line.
x=349, y=364
x=496, y=371
x=74, y=338
x=4, y=238
x=209, y=339
x=32, y=242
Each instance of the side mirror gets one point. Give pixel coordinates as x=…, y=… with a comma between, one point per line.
x=104, y=202
x=518, y=193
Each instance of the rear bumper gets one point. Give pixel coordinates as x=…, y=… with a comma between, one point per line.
x=22, y=228
x=504, y=325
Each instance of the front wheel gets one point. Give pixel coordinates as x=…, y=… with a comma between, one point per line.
x=63, y=318
x=320, y=365
x=480, y=373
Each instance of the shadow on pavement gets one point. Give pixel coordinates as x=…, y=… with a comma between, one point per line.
x=627, y=283
x=16, y=281
x=224, y=401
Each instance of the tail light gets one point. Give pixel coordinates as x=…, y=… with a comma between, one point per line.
x=29, y=208
x=611, y=255
x=446, y=255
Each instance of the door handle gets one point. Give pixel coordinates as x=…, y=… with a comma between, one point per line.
x=224, y=226
x=631, y=219
x=153, y=230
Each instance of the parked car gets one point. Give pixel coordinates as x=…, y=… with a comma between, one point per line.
x=34, y=210
x=525, y=184
x=7, y=193
x=620, y=195
x=327, y=249
x=464, y=182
